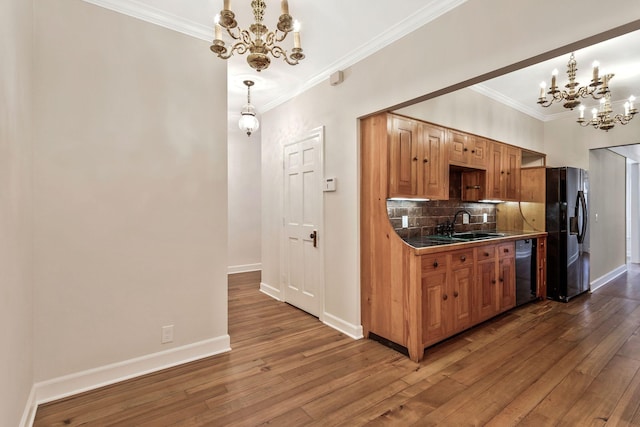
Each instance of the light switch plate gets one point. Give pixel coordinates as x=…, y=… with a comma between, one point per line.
x=405, y=221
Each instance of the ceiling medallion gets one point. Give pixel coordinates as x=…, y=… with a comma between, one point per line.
x=259, y=41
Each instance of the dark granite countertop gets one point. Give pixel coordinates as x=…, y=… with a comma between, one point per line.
x=426, y=244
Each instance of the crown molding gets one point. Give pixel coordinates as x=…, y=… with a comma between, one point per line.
x=509, y=102
x=156, y=16
x=429, y=12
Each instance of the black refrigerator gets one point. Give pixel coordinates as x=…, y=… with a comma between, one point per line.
x=567, y=224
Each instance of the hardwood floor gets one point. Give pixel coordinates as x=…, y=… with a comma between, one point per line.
x=546, y=363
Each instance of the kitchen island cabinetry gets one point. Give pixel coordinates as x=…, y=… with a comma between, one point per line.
x=418, y=164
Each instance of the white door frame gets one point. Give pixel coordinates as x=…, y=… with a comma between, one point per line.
x=319, y=134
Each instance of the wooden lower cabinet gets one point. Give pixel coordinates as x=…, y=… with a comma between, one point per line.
x=465, y=287
x=506, y=276
x=486, y=294
x=541, y=288
x=447, y=285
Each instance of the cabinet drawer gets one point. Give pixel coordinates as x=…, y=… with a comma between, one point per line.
x=486, y=252
x=507, y=250
x=462, y=258
x=434, y=263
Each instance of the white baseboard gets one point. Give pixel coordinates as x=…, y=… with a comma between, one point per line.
x=244, y=268
x=353, y=331
x=603, y=280
x=68, y=385
x=271, y=291
x=29, y=414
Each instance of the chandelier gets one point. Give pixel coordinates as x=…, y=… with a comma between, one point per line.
x=602, y=119
x=597, y=89
x=248, y=121
x=258, y=40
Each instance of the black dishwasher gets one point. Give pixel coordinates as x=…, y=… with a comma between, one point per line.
x=526, y=269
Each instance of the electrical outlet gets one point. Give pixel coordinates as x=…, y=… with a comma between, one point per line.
x=405, y=221
x=167, y=334
x=465, y=218
x=484, y=217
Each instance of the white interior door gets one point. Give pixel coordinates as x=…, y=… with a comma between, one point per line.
x=303, y=273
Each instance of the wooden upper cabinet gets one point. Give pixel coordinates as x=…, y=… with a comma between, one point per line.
x=467, y=150
x=532, y=184
x=433, y=168
x=403, y=157
x=512, y=160
x=417, y=160
x=503, y=178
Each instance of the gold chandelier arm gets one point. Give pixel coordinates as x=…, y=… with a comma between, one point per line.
x=293, y=59
x=239, y=47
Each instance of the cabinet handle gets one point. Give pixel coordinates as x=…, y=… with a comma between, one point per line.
x=501, y=280
x=465, y=149
x=473, y=151
x=426, y=160
x=502, y=172
x=506, y=251
x=455, y=294
x=415, y=159
x=435, y=264
x=444, y=297
x=463, y=258
x=486, y=254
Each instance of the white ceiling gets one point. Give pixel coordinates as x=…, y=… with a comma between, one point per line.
x=336, y=34
x=620, y=56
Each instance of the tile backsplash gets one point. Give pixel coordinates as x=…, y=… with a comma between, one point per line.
x=424, y=216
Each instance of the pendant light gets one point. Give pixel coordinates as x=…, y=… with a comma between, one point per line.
x=248, y=121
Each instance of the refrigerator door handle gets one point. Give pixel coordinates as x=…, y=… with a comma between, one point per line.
x=583, y=205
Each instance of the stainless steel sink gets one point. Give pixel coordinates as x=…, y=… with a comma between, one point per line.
x=463, y=237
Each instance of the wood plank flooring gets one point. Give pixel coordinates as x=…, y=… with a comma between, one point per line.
x=543, y=364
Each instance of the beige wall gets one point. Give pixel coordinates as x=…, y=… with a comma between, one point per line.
x=469, y=41
x=16, y=288
x=607, y=195
x=130, y=188
x=473, y=112
x=568, y=144
x=244, y=200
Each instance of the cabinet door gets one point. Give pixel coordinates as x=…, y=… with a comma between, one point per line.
x=403, y=158
x=511, y=164
x=479, y=152
x=458, y=147
x=532, y=185
x=433, y=165
x=541, y=290
x=495, y=172
x=436, y=324
x=462, y=292
x=507, y=283
x=486, y=295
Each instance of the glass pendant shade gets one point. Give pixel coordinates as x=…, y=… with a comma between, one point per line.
x=248, y=123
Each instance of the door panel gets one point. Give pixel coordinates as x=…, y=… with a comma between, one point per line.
x=302, y=260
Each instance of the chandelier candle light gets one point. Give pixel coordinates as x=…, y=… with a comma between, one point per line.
x=597, y=89
x=258, y=40
x=602, y=119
